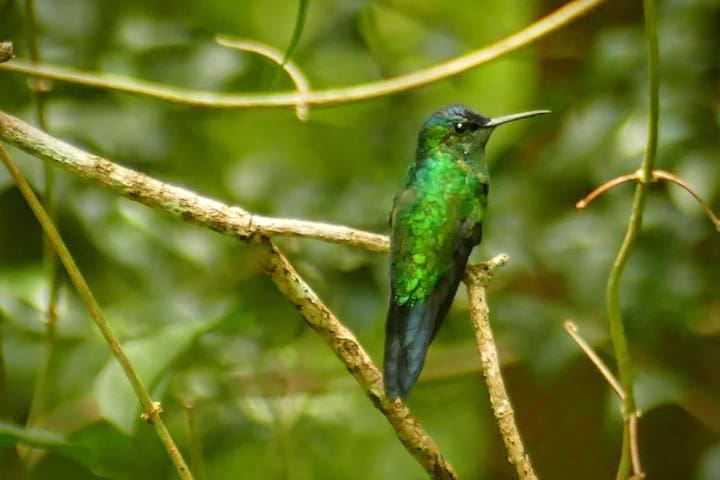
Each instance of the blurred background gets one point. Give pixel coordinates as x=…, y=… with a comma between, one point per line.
x=207, y=328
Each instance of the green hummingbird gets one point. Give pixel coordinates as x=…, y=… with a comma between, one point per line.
x=436, y=221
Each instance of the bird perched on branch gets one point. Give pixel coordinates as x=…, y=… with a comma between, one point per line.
x=436, y=221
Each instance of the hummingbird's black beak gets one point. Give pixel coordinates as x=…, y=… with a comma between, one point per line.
x=494, y=122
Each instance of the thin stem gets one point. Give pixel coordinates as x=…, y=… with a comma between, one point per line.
x=614, y=182
x=624, y=466
x=617, y=331
x=572, y=330
x=151, y=409
x=50, y=260
x=657, y=174
x=477, y=278
x=632, y=432
x=612, y=297
x=296, y=75
x=654, y=89
x=630, y=455
x=552, y=22
x=667, y=176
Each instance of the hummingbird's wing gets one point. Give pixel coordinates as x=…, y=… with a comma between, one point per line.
x=470, y=234
x=427, y=265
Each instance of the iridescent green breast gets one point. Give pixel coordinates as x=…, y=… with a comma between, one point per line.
x=440, y=199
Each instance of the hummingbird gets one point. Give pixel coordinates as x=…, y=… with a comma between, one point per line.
x=436, y=220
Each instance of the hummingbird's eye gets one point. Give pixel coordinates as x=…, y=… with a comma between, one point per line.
x=461, y=127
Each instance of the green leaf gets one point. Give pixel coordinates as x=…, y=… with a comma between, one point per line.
x=150, y=356
x=297, y=31
x=11, y=435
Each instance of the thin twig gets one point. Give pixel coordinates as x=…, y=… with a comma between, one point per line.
x=584, y=202
x=630, y=453
x=477, y=278
x=665, y=175
x=657, y=175
x=630, y=456
x=151, y=409
x=572, y=330
x=559, y=18
x=632, y=422
x=296, y=75
x=175, y=200
x=617, y=330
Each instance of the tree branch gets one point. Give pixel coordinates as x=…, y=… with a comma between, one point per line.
x=477, y=277
x=173, y=200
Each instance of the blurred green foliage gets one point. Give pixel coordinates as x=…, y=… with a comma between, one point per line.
x=205, y=325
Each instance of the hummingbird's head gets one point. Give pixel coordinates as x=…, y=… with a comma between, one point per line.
x=459, y=131
x=455, y=130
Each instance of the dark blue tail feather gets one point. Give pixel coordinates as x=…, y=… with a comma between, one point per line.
x=408, y=333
